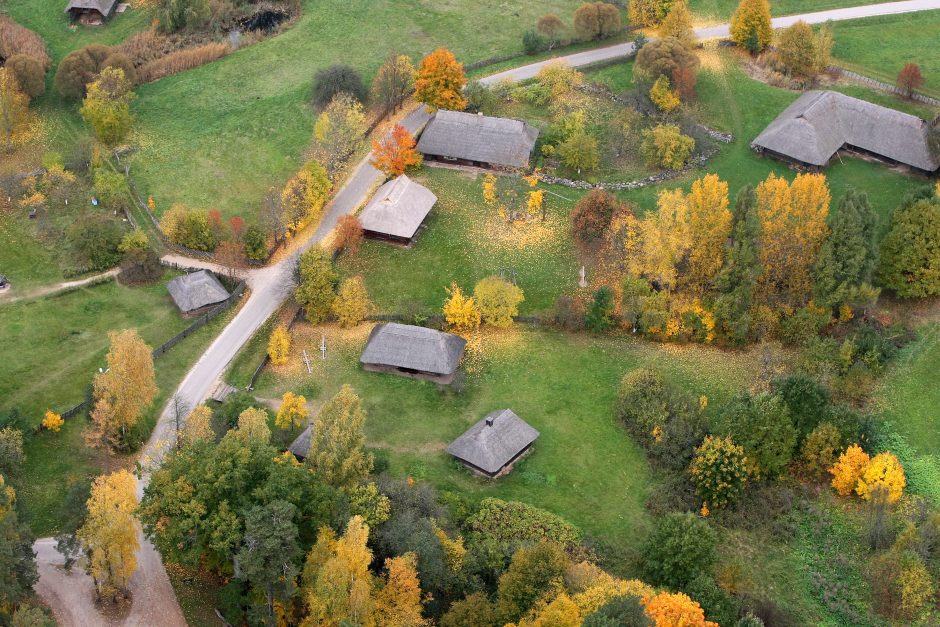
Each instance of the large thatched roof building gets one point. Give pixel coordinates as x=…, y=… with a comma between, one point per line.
x=196, y=290
x=492, y=446
x=478, y=140
x=91, y=11
x=820, y=123
x=397, y=211
x=412, y=351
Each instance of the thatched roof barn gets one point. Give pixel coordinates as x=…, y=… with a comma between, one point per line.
x=196, y=290
x=91, y=11
x=478, y=140
x=412, y=351
x=397, y=211
x=492, y=446
x=301, y=444
x=820, y=123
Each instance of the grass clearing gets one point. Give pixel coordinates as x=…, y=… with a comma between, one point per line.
x=713, y=11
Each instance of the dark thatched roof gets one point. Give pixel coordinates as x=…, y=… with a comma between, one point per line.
x=496, y=141
x=494, y=441
x=398, y=208
x=819, y=123
x=301, y=445
x=102, y=6
x=413, y=348
x=196, y=290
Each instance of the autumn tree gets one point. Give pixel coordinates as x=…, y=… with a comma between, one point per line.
x=533, y=572
x=751, y=25
x=910, y=251
x=337, y=583
x=595, y=20
x=29, y=72
x=664, y=240
x=304, y=195
x=349, y=235
x=648, y=12
x=337, y=452
x=671, y=610
x=78, y=68
x=317, y=288
x=279, y=345
x=848, y=469
x=293, y=410
x=110, y=533
x=709, y=219
x=663, y=96
x=52, y=421
x=849, y=256
x=460, y=311
x=793, y=229
x=666, y=146
x=395, y=152
x=198, y=426
x=498, y=301
x=678, y=23
x=17, y=559
x=267, y=557
x=821, y=448
x=661, y=58
x=398, y=601
x=125, y=388
x=684, y=80
x=719, y=471
x=883, y=472
x=796, y=48
x=14, y=107
x=351, y=305
x=107, y=106
x=394, y=82
x=579, y=152
x=551, y=26
x=186, y=226
x=592, y=216
x=439, y=81
x=338, y=133
x=909, y=79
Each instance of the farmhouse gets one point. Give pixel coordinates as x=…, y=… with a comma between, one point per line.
x=91, y=11
x=196, y=290
x=397, y=211
x=414, y=352
x=492, y=446
x=820, y=123
x=478, y=140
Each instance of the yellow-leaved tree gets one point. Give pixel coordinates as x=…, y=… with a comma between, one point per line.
x=848, y=469
x=461, y=311
x=293, y=411
x=792, y=230
x=751, y=26
x=678, y=23
x=663, y=95
x=665, y=238
x=109, y=535
x=709, y=222
x=253, y=425
x=337, y=583
x=398, y=602
x=498, y=301
x=126, y=388
x=883, y=472
x=337, y=444
x=52, y=421
x=198, y=426
x=351, y=305
x=279, y=345
x=559, y=612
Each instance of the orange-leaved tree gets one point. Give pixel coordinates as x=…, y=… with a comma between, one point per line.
x=847, y=471
x=676, y=610
x=398, y=602
x=440, y=80
x=395, y=153
x=883, y=472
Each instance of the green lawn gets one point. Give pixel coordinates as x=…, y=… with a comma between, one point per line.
x=465, y=241
x=880, y=46
x=721, y=10
x=23, y=260
x=584, y=466
x=221, y=135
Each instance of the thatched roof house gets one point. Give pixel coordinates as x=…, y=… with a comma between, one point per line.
x=397, y=211
x=478, y=140
x=820, y=123
x=196, y=290
x=415, y=352
x=492, y=446
x=91, y=11
x=301, y=444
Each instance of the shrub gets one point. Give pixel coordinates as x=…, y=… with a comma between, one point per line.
x=78, y=68
x=569, y=312
x=30, y=74
x=594, y=20
x=349, y=235
x=676, y=609
x=110, y=189
x=460, y=311
x=188, y=227
x=144, y=47
x=661, y=58
x=181, y=60
x=681, y=548
x=643, y=404
x=279, y=345
x=883, y=472
x=52, y=421
x=600, y=314
x=177, y=15
x=751, y=25
x=909, y=79
x=95, y=239
x=513, y=523
x=807, y=400
x=255, y=242
x=352, y=302
x=551, y=26
x=124, y=63
x=796, y=48
x=532, y=42
x=666, y=147
x=140, y=266
x=910, y=252
x=335, y=79
x=821, y=448
x=626, y=610
x=498, y=301
x=593, y=214
x=901, y=584
x=663, y=96
x=848, y=469
x=19, y=40
x=719, y=606
x=317, y=288
x=762, y=425
x=719, y=471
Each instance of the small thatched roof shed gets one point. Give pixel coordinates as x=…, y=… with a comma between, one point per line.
x=397, y=210
x=820, y=123
x=196, y=290
x=491, y=446
x=413, y=351
x=89, y=10
x=301, y=444
x=478, y=139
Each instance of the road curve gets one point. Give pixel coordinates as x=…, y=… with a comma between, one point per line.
x=270, y=287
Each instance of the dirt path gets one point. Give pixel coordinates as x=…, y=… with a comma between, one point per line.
x=12, y=295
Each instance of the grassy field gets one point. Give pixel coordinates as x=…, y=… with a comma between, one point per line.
x=465, y=241
x=584, y=467
x=23, y=260
x=880, y=46
x=721, y=10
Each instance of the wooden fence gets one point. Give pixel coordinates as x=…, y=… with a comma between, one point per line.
x=883, y=86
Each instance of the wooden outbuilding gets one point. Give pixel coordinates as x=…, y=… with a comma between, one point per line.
x=397, y=211
x=196, y=290
x=493, y=445
x=415, y=352
x=91, y=12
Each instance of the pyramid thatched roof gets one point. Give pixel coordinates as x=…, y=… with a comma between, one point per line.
x=494, y=442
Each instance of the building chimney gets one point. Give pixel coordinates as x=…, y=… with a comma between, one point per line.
x=490, y=420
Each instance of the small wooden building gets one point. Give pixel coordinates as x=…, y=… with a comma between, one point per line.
x=478, y=140
x=300, y=447
x=191, y=292
x=91, y=12
x=397, y=211
x=415, y=352
x=493, y=445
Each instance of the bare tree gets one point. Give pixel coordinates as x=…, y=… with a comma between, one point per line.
x=180, y=409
